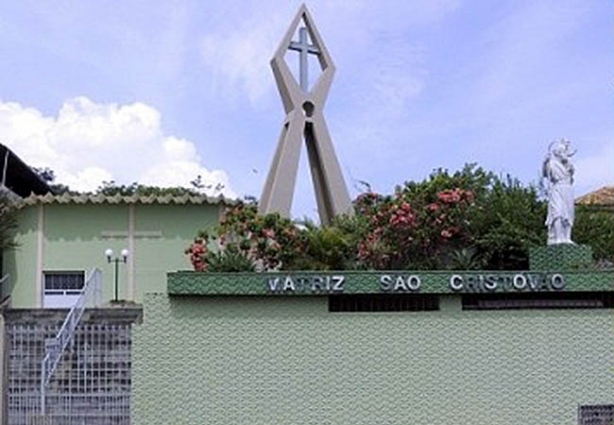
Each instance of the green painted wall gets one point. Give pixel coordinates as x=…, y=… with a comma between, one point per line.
x=20, y=263
x=76, y=236
x=156, y=256
x=73, y=239
x=267, y=360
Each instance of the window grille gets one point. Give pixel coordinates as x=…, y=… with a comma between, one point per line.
x=596, y=415
x=374, y=303
x=541, y=300
x=69, y=282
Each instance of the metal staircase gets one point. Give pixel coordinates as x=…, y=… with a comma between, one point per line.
x=54, y=348
x=71, y=369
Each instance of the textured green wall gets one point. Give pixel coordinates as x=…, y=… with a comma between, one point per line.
x=369, y=282
x=266, y=360
x=73, y=240
x=561, y=257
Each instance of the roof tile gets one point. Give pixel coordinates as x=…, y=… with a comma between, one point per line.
x=119, y=199
x=603, y=196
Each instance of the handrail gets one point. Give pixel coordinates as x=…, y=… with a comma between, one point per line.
x=91, y=296
x=5, y=288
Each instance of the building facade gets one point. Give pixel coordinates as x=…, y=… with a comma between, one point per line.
x=531, y=347
x=60, y=238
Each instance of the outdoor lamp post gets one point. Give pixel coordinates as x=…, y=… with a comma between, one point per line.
x=124, y=257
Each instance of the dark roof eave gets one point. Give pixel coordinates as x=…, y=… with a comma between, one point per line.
x=18, y=177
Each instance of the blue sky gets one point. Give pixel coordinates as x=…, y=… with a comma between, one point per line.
x=160, y=92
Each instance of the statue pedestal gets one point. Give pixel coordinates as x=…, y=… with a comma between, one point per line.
x=561, y=257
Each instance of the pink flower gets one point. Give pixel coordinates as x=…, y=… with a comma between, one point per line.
x=450, y=196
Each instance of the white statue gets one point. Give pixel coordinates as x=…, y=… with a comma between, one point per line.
x=558, y=171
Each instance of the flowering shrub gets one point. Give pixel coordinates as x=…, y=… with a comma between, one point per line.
x=406, y=231
x=387, y=232
x=267, y=241
x=469, y=219
x=198, y=252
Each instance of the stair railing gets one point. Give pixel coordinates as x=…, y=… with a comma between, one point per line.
x=6, y=288
x=91, y=296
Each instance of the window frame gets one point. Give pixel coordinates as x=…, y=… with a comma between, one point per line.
x=65, y=292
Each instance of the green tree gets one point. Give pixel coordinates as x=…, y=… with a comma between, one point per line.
x=595, y=227
x=48, y=175
x=508, y=221
x=110, y=188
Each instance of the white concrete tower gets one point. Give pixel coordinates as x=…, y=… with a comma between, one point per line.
x=304, y=121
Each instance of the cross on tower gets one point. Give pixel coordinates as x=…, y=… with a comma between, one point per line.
x=304, y=48
x=304, y=122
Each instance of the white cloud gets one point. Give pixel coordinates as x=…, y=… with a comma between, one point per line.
x=84, y=180
x=178, y=149
x=88, y=143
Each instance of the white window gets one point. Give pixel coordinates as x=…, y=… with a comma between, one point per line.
x=62, y=288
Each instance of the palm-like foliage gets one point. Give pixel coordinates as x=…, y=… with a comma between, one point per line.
x=230, y=260
x=327, y=248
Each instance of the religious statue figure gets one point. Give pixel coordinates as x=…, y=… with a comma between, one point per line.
x=558, y=171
